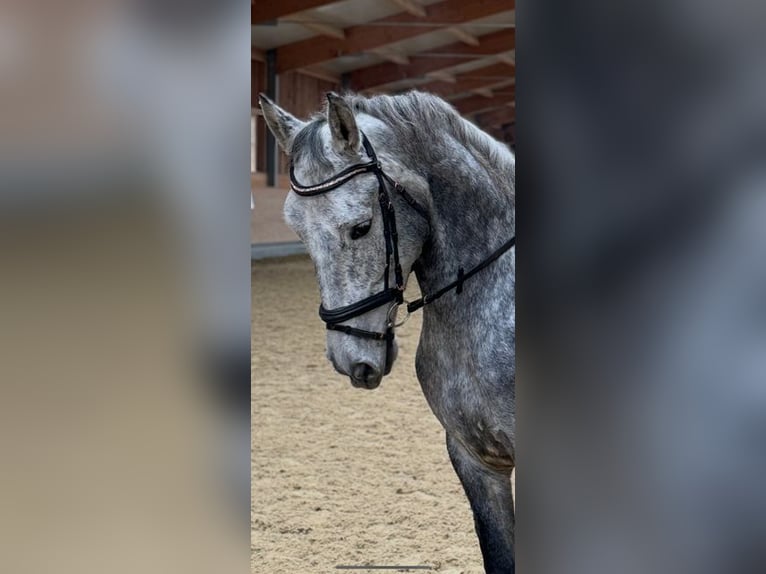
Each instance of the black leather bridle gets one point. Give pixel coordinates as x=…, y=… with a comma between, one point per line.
x=393, y=294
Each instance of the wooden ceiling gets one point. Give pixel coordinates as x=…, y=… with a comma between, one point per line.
x=462, y=50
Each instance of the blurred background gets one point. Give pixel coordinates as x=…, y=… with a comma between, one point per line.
x=124, y=298
x=641, y=287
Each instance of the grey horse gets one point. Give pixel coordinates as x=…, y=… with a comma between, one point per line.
x=464, y=180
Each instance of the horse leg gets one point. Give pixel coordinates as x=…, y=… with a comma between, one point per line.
x=491, y=499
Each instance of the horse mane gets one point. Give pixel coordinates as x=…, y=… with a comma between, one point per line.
x=418, y=116
x=417, y=119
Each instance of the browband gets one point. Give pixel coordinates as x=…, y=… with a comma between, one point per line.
x=339, y=179
x=332, y=183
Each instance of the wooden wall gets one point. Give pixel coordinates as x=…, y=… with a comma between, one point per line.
x=257, y=81
x=302, y=95
x=299, y=94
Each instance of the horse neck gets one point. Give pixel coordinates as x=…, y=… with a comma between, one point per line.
x=472, y=215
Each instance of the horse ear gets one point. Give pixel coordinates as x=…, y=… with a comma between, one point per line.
x=340, y=117
x=282, y=124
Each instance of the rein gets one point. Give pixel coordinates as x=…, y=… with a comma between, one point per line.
x=417, y=304
x=390, y=294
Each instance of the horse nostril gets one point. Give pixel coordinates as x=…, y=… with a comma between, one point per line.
x=362, y=371
x=365, y=375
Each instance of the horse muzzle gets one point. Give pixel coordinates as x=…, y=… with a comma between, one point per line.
x=365, y=376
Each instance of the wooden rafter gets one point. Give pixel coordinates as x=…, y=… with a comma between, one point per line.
x=384, y=31
x=497, y=89
x=475, y=104
x=320, y=74
x=432, y=61
x=509, y=58
x=486, y=92
x=319, y=27
x=481, y=78
x=463, y=36
x=411, y=7
x=266, y=10
x=392, y=56
x=443, y=77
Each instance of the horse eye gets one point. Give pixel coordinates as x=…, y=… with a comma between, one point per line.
x=361, y=230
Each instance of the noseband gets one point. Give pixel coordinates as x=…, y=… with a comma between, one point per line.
x=393, y=294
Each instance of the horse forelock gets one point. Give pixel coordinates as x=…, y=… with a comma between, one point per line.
x=308, y=144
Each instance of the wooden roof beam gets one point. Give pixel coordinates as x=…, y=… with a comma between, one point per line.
x=478, y=79
x=508, y=58
x=442, y=77
x=320, y=74
x=365, y=37
x=266, y=10
x=392, y=56
x=319, y=27
x=484, y=92
x=463, y=36
x=475, y=104
x=411, y=7
x=432, y=61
